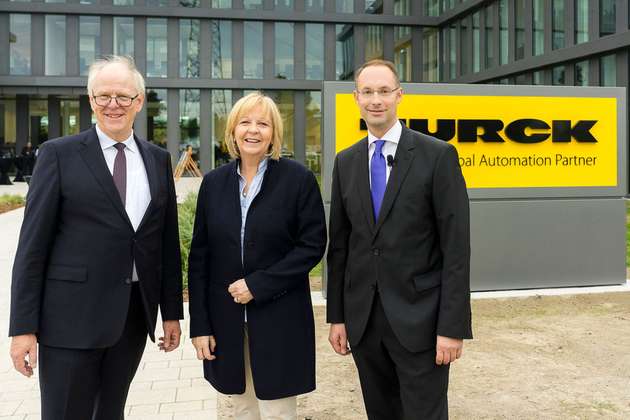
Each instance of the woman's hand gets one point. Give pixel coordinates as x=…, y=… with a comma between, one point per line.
x=205, y=346
x=240, y=292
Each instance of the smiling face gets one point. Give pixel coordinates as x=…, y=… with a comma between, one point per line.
x=378, y=110
x=253, y=134
x=115, y=121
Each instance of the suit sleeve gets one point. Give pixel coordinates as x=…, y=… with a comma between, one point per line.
x=451, y=207
x=308, y=249
x=171, y=301
x=339, y=231
x=200, y=323
x=36, y=239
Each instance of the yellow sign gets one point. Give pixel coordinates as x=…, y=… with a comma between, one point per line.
x=511, y=141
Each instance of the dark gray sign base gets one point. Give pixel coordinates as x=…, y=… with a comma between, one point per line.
x=528, y=244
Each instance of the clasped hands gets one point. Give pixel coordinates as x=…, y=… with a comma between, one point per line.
x=240, y=292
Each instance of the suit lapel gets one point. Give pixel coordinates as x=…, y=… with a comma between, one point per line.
x=403, y=160
x=92, y=154
x=361, y=167
x=152, y=177
x=233, y=202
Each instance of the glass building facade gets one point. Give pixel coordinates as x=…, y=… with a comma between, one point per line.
x=197, y=63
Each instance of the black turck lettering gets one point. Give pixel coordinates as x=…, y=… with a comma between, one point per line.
x=581, y=131
x=516, y=130
x=468, y=130
x=445, y=128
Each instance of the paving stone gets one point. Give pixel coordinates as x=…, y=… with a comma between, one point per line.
x=143, y=409
x=8, y=408
x=196, y=393
x=151, y=396
x=197, y=415
x=191, y=372
x=180, y=407
x=29, y=406
x=178, y=383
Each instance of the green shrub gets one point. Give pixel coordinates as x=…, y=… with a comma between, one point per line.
x=186, y=216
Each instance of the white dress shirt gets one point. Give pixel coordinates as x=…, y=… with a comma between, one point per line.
x=138, y=194
x=389, y=147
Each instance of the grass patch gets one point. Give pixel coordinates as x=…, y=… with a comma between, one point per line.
x=10, y=202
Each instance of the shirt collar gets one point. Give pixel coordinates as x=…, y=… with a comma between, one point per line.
x=393, y=134
x=107, y=142
x=262, y=166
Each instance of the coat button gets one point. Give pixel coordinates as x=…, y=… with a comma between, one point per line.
x=376, y=252
x=127, y=280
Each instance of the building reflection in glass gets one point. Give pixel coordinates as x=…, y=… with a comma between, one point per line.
x=313, y=110
x=221, y=106
x=19, y=44
x=221, y=49
x=402, y=52
x=344, y=52
x=189, y=113
x=123, y=36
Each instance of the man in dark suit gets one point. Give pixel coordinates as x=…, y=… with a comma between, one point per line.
x=98, y=253
x=398, y=258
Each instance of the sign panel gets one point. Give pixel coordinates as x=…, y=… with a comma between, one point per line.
x=508, y=141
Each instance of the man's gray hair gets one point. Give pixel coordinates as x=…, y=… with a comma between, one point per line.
x=100, y=63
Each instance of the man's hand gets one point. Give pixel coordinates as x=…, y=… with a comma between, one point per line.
x=338, y=339
x=205, y=346
x=172, y=333
x=22, y=346
x=240, y=292
x=448, y=350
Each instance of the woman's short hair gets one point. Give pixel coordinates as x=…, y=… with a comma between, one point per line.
x=245, y=105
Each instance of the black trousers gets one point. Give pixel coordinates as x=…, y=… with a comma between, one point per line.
x=93, y=384
x=398, y=384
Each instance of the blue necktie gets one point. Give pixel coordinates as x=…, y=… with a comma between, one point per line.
x=378, y=177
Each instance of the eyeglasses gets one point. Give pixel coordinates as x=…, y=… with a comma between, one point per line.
x=383, y=93
x=122, y=101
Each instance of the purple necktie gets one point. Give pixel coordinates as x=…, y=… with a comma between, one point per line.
x=378, y=177
x=120, y=172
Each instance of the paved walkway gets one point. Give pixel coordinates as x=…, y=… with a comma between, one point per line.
x=167, y=386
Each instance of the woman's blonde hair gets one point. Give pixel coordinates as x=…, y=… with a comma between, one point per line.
x=245, y=105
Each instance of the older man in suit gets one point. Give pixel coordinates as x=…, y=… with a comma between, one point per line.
x=398, y=258
x=98, y=253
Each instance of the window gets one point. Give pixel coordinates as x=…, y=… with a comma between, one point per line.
x=286, y=5
x=221, y=106
x=189, y=121
x=123, y=36
x=189, y=48
x=557, y=24
x=123, y=2
x=253, y=4
x=538, y=78
x=519, y=33
x=463, y=44
x=489, y=28
x=221, y=49
x=284, y=50
x=314, y=6
x=157, y=116
x=253, y=59
x=344, y=52
x=581, y=21
x=402, y=7
x=431, y=7
x=402, y=52
x=538, y=43
x=452, y=36
x=344, y=6
x=373, y=42
x=476, y=52
x=557, y=75
x=221, y=4
x=373, y=6
x=19, y=44
x=89, y=41
x=503, y=31
x=55, y=40
x=157, y=48
x=313, y=111
x=608, y=70
x=284, y=100
x=430, y=66
x=607, y=17
x=581, y=73
x=314, y=51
